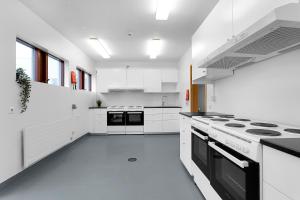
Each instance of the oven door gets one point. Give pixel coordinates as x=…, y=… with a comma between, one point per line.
x=232, y=175
x=135, y=118
x=115, y=118
x=200, y=153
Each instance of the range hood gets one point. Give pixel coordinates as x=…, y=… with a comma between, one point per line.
x=275, y=34
x=116, y=88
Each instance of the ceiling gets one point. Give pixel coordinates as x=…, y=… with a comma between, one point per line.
x=112, y=20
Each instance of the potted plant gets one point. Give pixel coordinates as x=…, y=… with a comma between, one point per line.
x=99, y=102
x=24, y=82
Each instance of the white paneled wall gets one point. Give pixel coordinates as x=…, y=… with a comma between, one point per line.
x=48, y=104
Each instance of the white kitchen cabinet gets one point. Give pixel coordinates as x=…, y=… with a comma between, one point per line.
x=210, y=36
x=185, y=142
x=243, y=12
x=280, y=173
x=110, y=78
x=99, y=121
x=169, y=75
x=152, y=81
x=135, y=78
x=153, y=120
x=161, y=120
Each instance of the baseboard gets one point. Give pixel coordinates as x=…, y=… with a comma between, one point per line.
x=21, y=173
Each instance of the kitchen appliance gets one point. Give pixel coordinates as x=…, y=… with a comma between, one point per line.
x=125, y=119
x=135, y=120
x=235, y=155
x=116, y=119
x=200, y=153
x=276, y=33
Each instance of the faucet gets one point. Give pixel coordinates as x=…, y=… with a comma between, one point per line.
x=164, y=100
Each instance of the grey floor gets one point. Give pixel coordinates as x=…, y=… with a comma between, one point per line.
x=96, y=167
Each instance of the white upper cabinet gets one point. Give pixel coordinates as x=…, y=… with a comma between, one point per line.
x=169, y=75
x=152, y=81
x=118, y=77
x=229, y=18
x=135, y=78
x=213, y=33
x=246, y=13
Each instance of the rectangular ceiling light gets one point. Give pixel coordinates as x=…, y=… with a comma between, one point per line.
x=99, y=47
x=154, y=48
x=163, y=8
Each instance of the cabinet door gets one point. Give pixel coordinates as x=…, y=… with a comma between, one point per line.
x=103, y=80
x=100, y=124
x=118, y=77
x=243, y=11
x=171, y=126
x=210, y=36
x=153, y=127
x=152, y=81
x=135, y=78
x=169, y=75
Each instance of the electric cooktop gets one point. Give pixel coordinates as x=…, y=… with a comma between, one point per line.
x=263, y=132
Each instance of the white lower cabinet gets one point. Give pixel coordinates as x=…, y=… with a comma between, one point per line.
x=161, y=120
x=270, y=193
x=99, y=121
x=185, y=142
x=281, y=174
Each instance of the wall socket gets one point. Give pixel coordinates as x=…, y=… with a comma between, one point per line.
x=12, y=110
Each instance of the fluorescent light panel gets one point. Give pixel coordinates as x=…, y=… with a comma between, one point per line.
x=154, y=48
x=99, y=47
x=163, y=8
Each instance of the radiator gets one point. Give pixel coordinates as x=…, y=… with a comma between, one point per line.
x=42, y=140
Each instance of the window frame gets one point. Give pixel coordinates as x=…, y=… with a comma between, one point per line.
x=41, y=64
x=81, y=80
x=33, y=56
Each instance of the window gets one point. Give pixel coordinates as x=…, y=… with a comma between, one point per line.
x=38, y=64
x=84, y=80
x=25, y=58
x=55, y=71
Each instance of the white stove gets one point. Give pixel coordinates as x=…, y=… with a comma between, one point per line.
x=234, y=153
x=243, y=135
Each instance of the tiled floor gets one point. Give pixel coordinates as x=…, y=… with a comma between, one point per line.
x=96, y=167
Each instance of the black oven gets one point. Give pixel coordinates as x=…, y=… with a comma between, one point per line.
x=232, y=175
x=200, y=150
x=116, y=118
x=135, y=118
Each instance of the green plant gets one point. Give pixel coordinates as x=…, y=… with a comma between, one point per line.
x=23, y=80
x=99, y=102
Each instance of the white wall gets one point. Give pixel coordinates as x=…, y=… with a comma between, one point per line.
x=137, y=98
x=269, y=90
x=184, y=79
x=47, y=103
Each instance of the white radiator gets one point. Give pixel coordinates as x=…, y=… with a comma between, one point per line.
x=40, y=141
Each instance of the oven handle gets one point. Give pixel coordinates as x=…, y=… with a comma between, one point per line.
x=115, y=112
x=129, y=112
x=240, y=163
x=205, y=138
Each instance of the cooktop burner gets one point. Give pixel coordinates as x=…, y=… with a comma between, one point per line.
x=263, y=132
x=235, y=125
x=227, y=116
x=264, y=124
x=220, y=120
x=297, y=131
x=243, y=120
x=208, y=117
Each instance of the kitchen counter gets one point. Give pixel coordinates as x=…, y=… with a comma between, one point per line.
x=192, y=114
x=287, y=145
x=97, y=107
x=162, y=107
